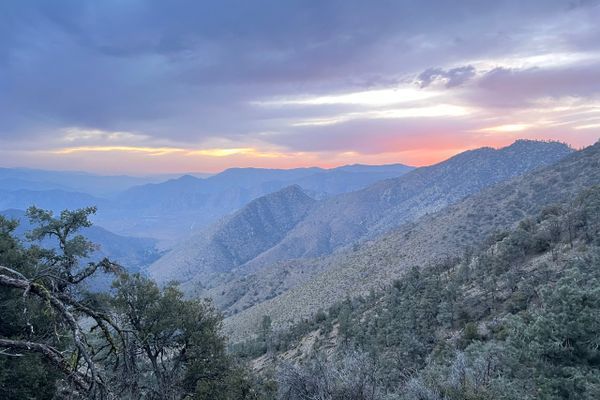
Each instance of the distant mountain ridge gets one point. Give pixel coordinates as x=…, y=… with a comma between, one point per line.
x=25, y=184
x=175, y=208
x=72, y=181
x=248, y=180
x=52, y=199
x=170, y=209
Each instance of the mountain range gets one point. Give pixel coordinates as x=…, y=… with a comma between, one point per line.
x=426, y=240
x=172, y=208
x=175, y=209
x=70, y=181
x=285, y=243
x=341, y=221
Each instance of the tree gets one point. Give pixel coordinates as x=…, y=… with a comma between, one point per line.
x=266, y=333
x=179, y=343
x=350, y=376
x=588, y=204
x=561, y=342
x=47, y=283
x=23, y=375
x=142, y=343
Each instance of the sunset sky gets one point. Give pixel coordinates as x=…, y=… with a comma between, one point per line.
x=141, y=87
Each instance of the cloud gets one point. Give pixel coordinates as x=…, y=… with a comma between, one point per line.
x=509, y=87
x=450, y=78
x=245, y=74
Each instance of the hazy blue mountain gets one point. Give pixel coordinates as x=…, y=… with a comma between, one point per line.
x=246, y=177
x=174, y=209
x=170, y=208
x=326, y=183
x=235, y=239
x=11, y=184
x=75, y=181
x=244, y=184
x=54, y=199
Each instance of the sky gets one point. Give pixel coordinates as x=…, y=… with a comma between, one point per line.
x=142, y=87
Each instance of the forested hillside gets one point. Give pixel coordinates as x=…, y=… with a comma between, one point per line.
x=514, y=318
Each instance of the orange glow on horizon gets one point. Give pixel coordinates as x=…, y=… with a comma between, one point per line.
x=419, y=149
x=415, y=150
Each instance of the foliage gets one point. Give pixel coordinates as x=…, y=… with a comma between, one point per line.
x=22, y=376
x=138, y=342
x=179, y=345
x=515, y=319
x=350, y=376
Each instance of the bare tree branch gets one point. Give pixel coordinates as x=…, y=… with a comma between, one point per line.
x=52, y=355
x=95, y=381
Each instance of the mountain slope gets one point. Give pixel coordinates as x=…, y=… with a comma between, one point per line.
x=488, y=312
x=345, y=219
x=432, y=237
x=348, y=218
x=235, y=239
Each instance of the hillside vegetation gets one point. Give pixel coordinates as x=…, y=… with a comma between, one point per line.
x=133, y=253
x=58, y=340
x=515, y=319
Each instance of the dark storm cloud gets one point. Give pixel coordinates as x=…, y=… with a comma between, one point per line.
x=186, y=70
